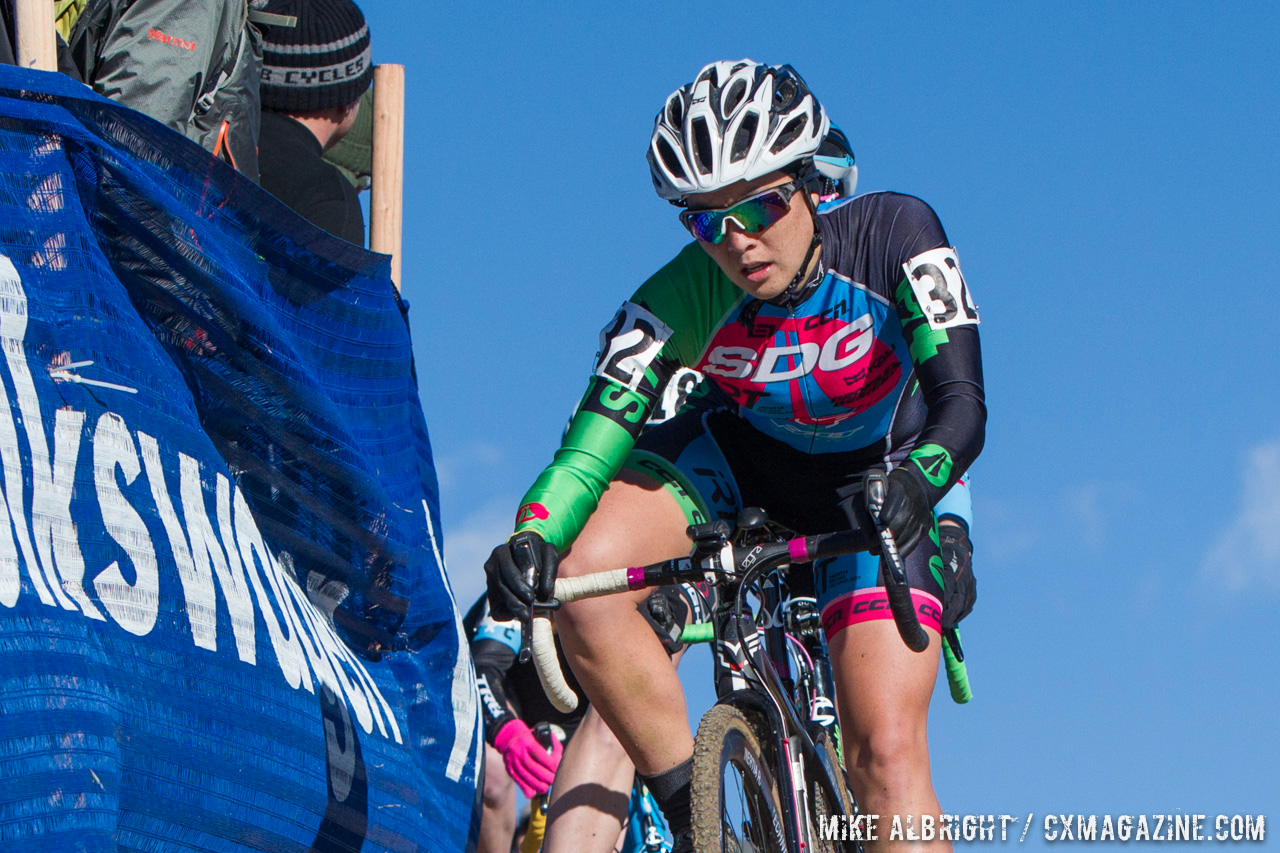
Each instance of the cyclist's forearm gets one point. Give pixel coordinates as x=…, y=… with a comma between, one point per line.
x=596, y=444
x=952, y=437
x=493, y=701
x=949, y=370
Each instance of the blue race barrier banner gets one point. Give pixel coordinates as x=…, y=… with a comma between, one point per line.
x=224, y=622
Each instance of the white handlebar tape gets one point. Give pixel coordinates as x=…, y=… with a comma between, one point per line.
x=544, y=641
x=548, y=664
x=593, y=586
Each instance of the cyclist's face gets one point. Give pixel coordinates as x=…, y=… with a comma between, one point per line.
x=764, y=263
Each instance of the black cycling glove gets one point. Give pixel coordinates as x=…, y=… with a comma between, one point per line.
x=960, y=589
x=666, y=612
x=906, y=511
x=518, y=572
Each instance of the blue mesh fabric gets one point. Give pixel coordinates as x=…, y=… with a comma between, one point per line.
x=224, y=624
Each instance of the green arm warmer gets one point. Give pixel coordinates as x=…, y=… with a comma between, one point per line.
x=599, y=438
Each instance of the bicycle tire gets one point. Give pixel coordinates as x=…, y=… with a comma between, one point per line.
x=822, y=806
x=727, y=742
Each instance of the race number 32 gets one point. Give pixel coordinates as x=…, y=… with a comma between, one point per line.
x=940, y=288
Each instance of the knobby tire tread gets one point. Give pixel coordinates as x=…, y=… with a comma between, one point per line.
x=823, y=808
x=721, y=727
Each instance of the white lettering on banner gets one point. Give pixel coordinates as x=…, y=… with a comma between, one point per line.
x=51, y=526
x=10, y=579
x=324, y=604
x=235, y=588
x=197, y=580
x=199, y=608
x=133, y=605
x=309, y=620
x=258, y=564
x=234, y=557
x=54, y=532
x=466, y=706
x=13, y=331
x=377, y=701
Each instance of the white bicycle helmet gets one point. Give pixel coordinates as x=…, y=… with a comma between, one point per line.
x=736, y=121
x=834, y=161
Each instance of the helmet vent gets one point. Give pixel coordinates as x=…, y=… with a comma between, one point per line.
x=738, y=120
x=784, y=97
x=702, y=145
x=670, y=160
x=742, y=139
x=675, y=111
x=790, y=133
x=734, y=97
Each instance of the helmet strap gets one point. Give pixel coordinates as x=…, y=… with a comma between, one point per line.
x=797, y=289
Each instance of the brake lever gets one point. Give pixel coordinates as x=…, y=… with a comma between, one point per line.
x=522, y=552
x=876, y=489
x=896, y=589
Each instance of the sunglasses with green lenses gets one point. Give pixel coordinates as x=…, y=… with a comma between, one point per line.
x=753, y=214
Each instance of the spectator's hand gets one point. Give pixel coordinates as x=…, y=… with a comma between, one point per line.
x=528, y=762
x=906, y=510
x=516, y=571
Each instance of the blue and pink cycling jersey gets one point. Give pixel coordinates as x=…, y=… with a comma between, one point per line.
x=876, y=364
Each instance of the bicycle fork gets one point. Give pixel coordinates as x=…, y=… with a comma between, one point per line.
x=749, y=679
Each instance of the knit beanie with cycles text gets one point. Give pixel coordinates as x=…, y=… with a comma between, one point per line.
x=323, y=61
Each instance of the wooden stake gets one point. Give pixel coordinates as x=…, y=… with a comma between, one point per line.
x=37, y=47
x=387, y=193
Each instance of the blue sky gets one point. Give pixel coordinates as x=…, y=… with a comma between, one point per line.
x=1108, y=175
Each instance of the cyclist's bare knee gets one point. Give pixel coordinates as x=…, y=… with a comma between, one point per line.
x=883, y=692
x=888, y=755
x=637, y=522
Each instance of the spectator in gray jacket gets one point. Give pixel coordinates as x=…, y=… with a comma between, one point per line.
x=190, y=64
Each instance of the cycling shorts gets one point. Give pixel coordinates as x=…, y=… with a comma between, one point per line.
x=714, y=464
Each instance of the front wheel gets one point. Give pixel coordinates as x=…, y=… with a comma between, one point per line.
x=736, y=805
x=829, y=816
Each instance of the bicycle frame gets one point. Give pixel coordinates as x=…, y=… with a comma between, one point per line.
x=752, y=668
x=752, y=671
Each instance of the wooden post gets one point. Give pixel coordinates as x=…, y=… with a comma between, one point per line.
x=37, y=47
x=387, y=193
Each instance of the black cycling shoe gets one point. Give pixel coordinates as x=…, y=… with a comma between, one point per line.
x=683, y=843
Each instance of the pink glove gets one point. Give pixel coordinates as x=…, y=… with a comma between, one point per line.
x=527, y=760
